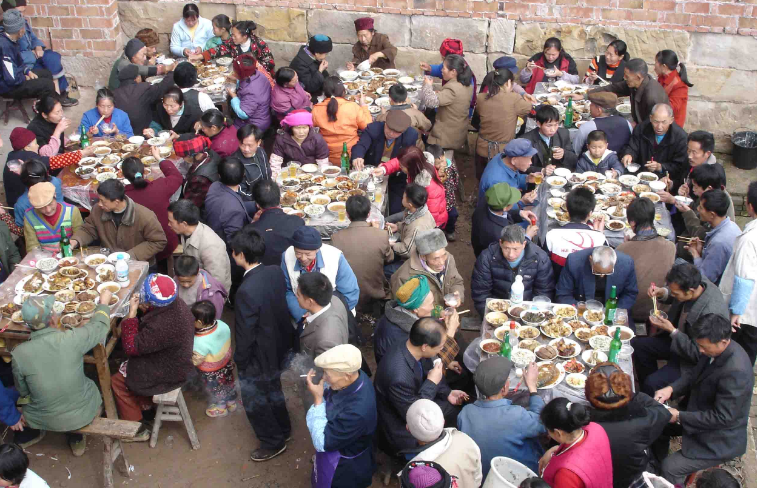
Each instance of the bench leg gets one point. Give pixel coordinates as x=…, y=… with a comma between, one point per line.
x=108, y=462
x=23, y=111
x=188, y=422
x=156, y=425
x=103, y=374
x=7, y=112
x=118, y=451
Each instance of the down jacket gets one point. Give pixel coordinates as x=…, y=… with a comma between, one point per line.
x=670, y=152
x=437, y=196
x=493, y=276
x=254, y=100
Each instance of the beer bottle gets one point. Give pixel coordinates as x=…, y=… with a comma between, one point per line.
x=506, y=350
x=615, y=346
x=345, y=159
x=611, y=306
x=65, y=244
x=569, y=114
x=84, y=138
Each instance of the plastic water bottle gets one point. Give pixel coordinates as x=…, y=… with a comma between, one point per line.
x=371, y=190
x=122, y=269
x=516, y=290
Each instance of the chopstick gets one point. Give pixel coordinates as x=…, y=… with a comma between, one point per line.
x=98, y=122
x=7, y=208
x=686, y=239
x=464, y=311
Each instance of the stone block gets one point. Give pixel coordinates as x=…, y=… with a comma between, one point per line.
x=160, y=16
x=501, y=35
x=429, y=32
x=276, y=24
x=89, y=70
x=340, y=27
x=284, y=52
x=722, y=119
x=408, y=60
x=720, y=85
x=722, y=50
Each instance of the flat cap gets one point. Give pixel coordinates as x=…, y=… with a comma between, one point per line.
x=491, y=375
x=41, y=194
x=606, y=100
x=344, y=358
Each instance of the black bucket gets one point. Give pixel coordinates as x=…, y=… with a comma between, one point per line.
x=744, y=149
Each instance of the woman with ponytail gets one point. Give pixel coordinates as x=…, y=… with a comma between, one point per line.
x=338, y=119
x=582, y=459
x=672, y=76
x=220, y=131
x=610, y=66
x=155, y=194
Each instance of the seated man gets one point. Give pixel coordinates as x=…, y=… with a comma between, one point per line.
x=606, y=119
x=50, y=370
x=225, y=211
x=135, y=52
x=598, y=274
x=551, y=141
x=308, y=254
x=577, y=234
x=35, y=55
x=382, y=141
x=398, y=101
x=500, y=211
x=509, y=167
x=408, y=373
x=20, y=81
x=455, y=451
x=487, y=418
x=271, y=222
x=367, y=249
x=714, y=422
x=691, y=296
x=512, y=255
x=44, y=222
x=407, y=224
x=142, y=236
x=159, y=346
x=432, y=260
x=712, y=255
x=199, y=241
x=197, y=284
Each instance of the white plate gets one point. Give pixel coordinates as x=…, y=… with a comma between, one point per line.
x=20, y=298
x=99, y=143
x=586, y=355
x=559, y=379
x=598, y=176
x=647, y=173
x=611, y=213
x=113, y=257
x=629, y=180
x=568, y=341
x=94, y=256
x=309, y=168
x=138, y=140
x=389, y=73
x=156, y=141
x=105, y=176
x=579, y=378
x=564, y=172
x=89, y=161
x=607, y=225
x=20, y=286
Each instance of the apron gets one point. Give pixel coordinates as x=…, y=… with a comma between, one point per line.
x=326, y=462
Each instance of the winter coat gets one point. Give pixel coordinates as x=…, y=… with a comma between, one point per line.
x=44, y=130
x=379, y=44
x=190, y=113
x=156, y=196
x=139, y=234
x=284, y=100
x=408, y=232
x=437, y=199
x=164, y=345
x=372, y=142
x=138, y=100
x=212, y=290
x=631, y=430
x=181, y=39
x=678, y=93
x=493, y=277
x=350, y=117
x=145, y=71
x=27, y=43
x=671, y=152
x=458, y=454
x=256, y=168
x=608, y=161
x=643, y=98
x=452, y=283
x=740, y=296
x=210, y=251
x=486, y=227
x=277, y=229
x=258, y=48
x=13, y=69
x=9, y=255
x=285, y=149
x=225, y=143
x=225, y=212
x=118, y=117
x=497, y=118
x=560, y=139
x=564, y=63
x=451, y=127
x=393, y=327
x=327, y=330
x=418, y=120
x=310, y=77
x=254, y=101
x=199, y=178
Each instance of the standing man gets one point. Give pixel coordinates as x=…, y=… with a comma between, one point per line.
x=271, y=222
x=263, y=337
x=737, y=282
x=371, y=46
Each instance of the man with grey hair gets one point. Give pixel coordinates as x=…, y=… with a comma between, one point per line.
x=591, y=274
x=644, y=90
x=498, y=265
x=660, y=146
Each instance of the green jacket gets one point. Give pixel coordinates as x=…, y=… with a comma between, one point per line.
x=50, y=368
x=9, y=255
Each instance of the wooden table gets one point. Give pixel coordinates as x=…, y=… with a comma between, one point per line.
x=14, y=333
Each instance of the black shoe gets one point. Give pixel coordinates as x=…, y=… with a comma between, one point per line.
x=68, y=101
x=261, y=454
x=451, y=237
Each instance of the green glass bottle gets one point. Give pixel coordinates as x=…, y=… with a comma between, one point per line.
x=65, y=244
x=84, y=141
x=611, y=306
x=345, y=159
x=569, y=114
x=506, y=350
x=615, y=346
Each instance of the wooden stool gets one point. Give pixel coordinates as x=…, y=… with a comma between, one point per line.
x=112, y=431
x=12, y=104
x=171, y=407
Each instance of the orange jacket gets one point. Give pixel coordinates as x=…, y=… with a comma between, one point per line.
x=350, y=117
x=678, y=93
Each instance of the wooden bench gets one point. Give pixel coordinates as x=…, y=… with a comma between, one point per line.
x=112, y=431
x=172, y=408
x=11, y=104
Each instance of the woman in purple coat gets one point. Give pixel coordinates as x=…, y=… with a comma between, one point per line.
x=223, y=136
x=298, y=141
x=251, y=101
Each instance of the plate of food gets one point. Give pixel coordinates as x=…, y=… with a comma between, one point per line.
x=528, y=332
x=626, y=334
x=56, y=282
x=110, y=175
x=496, y=318
x=105, y=273
x=615, y=225
x=600, y=343
x=71, y=272
x=556, y=329
x=490, y=346
x=566, y=348
x=65, y=296
x=83, y=284
x=576, y=380
x=556, y=181
x=593, y=357
x=583, y=334
x=17, y=318
x=85, y=172
x=617, y=212
x=550, y=375
x=313, y=210
x=86, y=309
x=545, y=353
x=603, y=330
x=515, y=311
x=71, y=320
x=70, y=307
x=9, y=309
x=565, y=311
x=87, y=295
x=522, y=357
x=573, y=366
x=320, y=199
x=529, y=344
x=652, y=196
x=576, y=324
x=532, y=317
x=31, y=284
x=113, y=300
x=156, y=141
x=498, y=305
x=594, y=317
x=95, y=260
x=89, y=161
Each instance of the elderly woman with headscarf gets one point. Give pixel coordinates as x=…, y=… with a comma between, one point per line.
x=159, y=346
x=251, y=99
x=450, y=46
x=298, y=141
x=342, y=420
x=631, y=420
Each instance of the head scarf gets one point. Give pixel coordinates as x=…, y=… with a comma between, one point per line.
x=159, y=290
x=36, y=311
x=243, y=72
x=410, y=296
x=190, y=145
x=451, y=46
x=298, y=117
x=608, y=387
x=21, y=137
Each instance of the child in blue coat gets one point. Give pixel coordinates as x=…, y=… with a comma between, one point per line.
x=598, y=158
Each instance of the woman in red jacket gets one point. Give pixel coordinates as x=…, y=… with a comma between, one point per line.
x=155, y=194
x=420, y=170
x=672, y=76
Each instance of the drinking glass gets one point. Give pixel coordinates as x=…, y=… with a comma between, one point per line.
x=542, y=302
x=538, y=178
x=378, y=196
x=581, y=308
x=620, y=317
x=342, y=214
x=451, y=300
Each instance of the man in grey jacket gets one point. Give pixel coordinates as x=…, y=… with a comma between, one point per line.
x=135, y=52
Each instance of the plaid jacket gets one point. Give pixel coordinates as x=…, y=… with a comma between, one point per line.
x=258, y=48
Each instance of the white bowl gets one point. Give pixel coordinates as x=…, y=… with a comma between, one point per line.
x=138, y=140
x=522, y=357
x=629, y=180
x=391, y=73
x=652, y=176
x=658, y=185
x=89, y=259
x=309, y=168
x=652, y=196
x=113, y=257
x=47, y=265
x=74, y=137
x=623, y=329
x=314, y=210
x=110, y=284
x=586, y=357
x=489, y=341
x=564, y=172
x=578, y=379
x=684, y=200
x=348, y=75
x=557, y=181
x=105, y=176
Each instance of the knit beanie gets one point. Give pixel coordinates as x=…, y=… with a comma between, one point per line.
x=7, y=5
x=128, y=72
x=13, y=21
x=425, y=474
x=320, y=44
x=425, y=420
x=307, y=238
x=159, y=290
x=132, y=47
x=21, y=137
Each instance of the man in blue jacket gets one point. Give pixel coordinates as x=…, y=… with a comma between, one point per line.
x=18, y=80
x=35, y=55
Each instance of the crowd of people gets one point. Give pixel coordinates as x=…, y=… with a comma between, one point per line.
x=439, y=423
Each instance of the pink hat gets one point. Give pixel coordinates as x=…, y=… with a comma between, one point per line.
x=298, y=117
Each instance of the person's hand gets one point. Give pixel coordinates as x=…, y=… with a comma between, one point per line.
x=528, y=216
x=546, y=458
x=655, y=291
x=661, y=323
x=133, y=305
x=455, y=366
x=31, y=76
x=19, y=426
x=323, y=66
x=375, y=57
x=532, y=231
x=149, y=133
x=530, y=98
x=666, y=197
x=114, y=130
x=105, y=296
x=627, y=159
x=187, y=52
x=374, y=224
x=316, y=389
x=436, y=373
x=695, y=247
x=664, y=394
x=153, y=61
x=350, y=66
x=653, y=166
x=683, y=190
x=457, y=397
x=598, y=224
x=530, y=178
x=592, y=77
x=232, y=92
x=668, y=182
x=74, y=243
x=530, y=377
x=735, y=322
x=380, y=171
x=425, y=67
x=39, y=51
x=358, y=163
x=556, y=73
x=198, y=127
x=529, y=197
x=530, y=66
x=155, y=153
x=64, y=124
x=257, y=215
x=558, y=153
x=549, y=170
x=392, y=227
x=682, y=207
x=452, y=322
x=194, y=57
x=92, y=130
x=173, y=136
x=674, y=415
x=427, y=80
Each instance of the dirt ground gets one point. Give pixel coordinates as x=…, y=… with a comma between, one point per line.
x=224, y=457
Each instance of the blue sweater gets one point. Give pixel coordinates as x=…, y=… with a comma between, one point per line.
x=180, y=38
x=23, y=204
x=9, y=414
x=718, y=247
x=497, y=172
x=118, y=117
x=27, y=43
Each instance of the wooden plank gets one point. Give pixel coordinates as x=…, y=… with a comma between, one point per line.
x=169, y=398
x=115, y=429
x=103, y=373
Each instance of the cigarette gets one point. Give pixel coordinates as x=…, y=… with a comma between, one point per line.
x=303, y=376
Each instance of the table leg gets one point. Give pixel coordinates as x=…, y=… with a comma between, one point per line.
x=103, y=373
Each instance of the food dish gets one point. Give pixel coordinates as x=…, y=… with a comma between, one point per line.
x=529, y=344
x=576, y=380
x=113, y=300
x=573, y=366
x=647, y=176
x=528, y=332
x=83, y=284
x=65, y=296
x=31, y=284
x=684, y=200
x=335, y=207
x=490, y=346
x=652, y=196
x=95, y=260
x=565, y=311
x=530, y=317
x=593, y=357
x=314, y=210
x=112, y=286
x=550, y=375
x=331, y=171
x=566, y=348
x=69, y=261
x=102, y=151
x=600, y=343
x=113, y=257
x=602, y=330
x=522, y=357
x=320, y=199
x=556, y=181
x=583, y=334
x=71, y=320
x=497, y=305
x=71, y=272
x=47, y=265
x=309, y=168
x=594, y=317
x=626, y=334
x=17, y=318
x=87, y=295
x=9, y=309
x=106, y=176
x=615, y=225
x=546, y=352
x=496, y=318
x=85, y=308
x=155, y=141
x=556, y=329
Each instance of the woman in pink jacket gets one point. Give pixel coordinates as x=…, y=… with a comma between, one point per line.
x=421, y=171
x=288, y=94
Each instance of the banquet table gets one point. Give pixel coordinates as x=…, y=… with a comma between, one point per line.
x=473, y=356
x=14, y=333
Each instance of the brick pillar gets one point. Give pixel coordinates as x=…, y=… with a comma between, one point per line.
x=87, y=33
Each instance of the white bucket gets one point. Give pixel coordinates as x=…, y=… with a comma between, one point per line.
x=506, y=473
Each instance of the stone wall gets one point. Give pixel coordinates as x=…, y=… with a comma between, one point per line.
x=715, y=56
